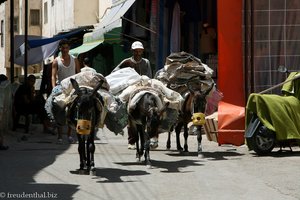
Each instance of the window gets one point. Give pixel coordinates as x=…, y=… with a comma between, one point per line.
x=272, y=40
x=52, y=3
x=2, y=33
x=16, y=24
x=35, y=17
x=45, y=13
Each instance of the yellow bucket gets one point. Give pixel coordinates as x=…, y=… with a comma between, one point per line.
x=198, y=119
x=83, y=127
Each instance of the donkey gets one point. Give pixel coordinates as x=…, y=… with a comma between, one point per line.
x=144, y=121
x=193, y=108
x=84, y=113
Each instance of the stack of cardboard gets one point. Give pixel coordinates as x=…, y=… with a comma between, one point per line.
x=211, y=127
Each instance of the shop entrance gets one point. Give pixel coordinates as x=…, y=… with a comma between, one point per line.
x=192, y=27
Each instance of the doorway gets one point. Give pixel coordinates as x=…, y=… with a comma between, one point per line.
x=192, y=27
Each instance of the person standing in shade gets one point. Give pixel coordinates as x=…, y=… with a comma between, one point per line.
x=63, y=67
x=87, y=66
x=4, y=82
x=142, y=67
x=208, y=41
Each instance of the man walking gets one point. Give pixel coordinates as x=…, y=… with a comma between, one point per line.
x=63, y=67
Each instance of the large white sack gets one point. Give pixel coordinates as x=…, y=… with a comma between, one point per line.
x=121, y=79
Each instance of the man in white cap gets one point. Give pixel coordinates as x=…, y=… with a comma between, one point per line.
x=142, y=67
x=137, y=62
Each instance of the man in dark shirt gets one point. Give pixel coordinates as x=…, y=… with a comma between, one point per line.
x=137, y=62
x=142, y=67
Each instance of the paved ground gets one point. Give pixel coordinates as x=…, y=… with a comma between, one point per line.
x=41, y=168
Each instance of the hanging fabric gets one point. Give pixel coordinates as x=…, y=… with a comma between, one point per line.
x=175, y=30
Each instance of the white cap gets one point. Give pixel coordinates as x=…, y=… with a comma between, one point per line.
x=137, y=45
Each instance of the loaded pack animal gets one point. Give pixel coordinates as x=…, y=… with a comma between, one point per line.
x=84, y=113
x=193, y=108
x=144, y=120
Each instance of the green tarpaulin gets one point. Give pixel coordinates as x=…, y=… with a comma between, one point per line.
x=278, y=113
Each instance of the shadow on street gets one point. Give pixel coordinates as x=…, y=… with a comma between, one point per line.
x=24, y=160
x=166, y=166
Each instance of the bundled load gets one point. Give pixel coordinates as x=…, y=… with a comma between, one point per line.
x=121, y=79
x=62, y=97
x=133, y=87
x=183, y=69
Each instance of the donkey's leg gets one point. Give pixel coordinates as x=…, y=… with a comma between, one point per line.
x=91, y=148
x=146, y=139
x=141, y=132
x=185, y=135
x=81, y=152
x=88, y=153
x=178, y=130
x=169, y=140
x=137, y=155
x=199, y=139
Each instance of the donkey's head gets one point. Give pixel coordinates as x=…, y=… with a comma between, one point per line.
x=197, y=101
x=85, y=106
x=154, y=118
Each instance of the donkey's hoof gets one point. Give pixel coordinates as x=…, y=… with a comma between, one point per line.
x=154, y=143
x=200, y=155
x=93, y=171
x=81, y=171
x=153, y=146
x=179, y=148
x=149, y=166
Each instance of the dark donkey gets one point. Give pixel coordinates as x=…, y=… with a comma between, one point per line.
x=193, y=108
x=84, y=113
x=144, y=121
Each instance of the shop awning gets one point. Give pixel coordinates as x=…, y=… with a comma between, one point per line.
x=36, y=54
x=39, y=47
x=109, y=28
x=85, y=47
x=33, y=43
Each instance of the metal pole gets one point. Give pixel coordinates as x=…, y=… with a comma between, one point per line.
x=280, y=84
x=252, y=76
x=246, y=50
x=26, y=41
x=12, y=50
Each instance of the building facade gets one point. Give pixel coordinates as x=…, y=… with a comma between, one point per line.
x=63, y=15
x=34, y=28
x=253, y=37
x=45, y=18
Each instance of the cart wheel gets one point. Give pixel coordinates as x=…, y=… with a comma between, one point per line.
x=262, y=141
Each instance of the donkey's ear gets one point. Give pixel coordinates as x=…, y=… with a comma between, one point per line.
x=209, y=89
x=97, y=87
x=75, y=85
